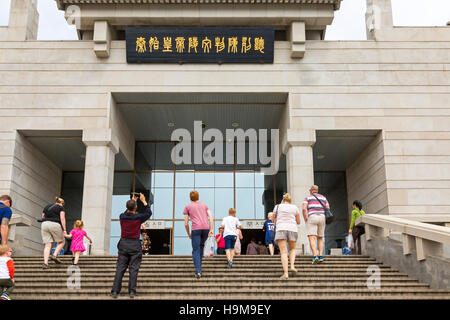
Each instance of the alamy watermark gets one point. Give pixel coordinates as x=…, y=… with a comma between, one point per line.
x=374, y=280
x=74, y=280
x=190, y=149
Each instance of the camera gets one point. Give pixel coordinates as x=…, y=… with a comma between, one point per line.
x=136, y=194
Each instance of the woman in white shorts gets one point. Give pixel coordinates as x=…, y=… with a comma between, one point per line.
x=287, y=219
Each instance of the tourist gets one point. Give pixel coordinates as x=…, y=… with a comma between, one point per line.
x=220, y=242
x=146, y=243
x=252, y=248
x=53, y=229
x=232, y=229
x=269, y=229
x=237, y=245
x=5, y=216
x=129, y=246
x=77, y=235
x=7, y=281
x=314, y=215
x=262, y=248
x=286, y=218
x=356, y=231
x=199, y=214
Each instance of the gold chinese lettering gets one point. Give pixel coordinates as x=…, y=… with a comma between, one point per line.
x=193, y=44
x=220, y=44
x=153, y=44
x=180, y=44
x=232, y=44
x=140, y=45
x=246, y=44
x=206, y=45
x=167, y=44
x=259, y=44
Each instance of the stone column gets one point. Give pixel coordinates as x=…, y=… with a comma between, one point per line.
x=101, y=147
x=297, y=146
x=23, y=20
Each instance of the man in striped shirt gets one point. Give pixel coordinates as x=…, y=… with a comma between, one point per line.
x=314, y=215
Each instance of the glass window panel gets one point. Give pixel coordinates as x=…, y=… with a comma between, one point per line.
x=245, y=200
x=118, y=205
x=259, y=206
x=163, y=204
x=223, y=200
x=143, y=182
x=259, y=179
x=113, y=245
x=223, y=179
x=207, y=197
x=115, y=229
x=204, y=179
x=245, y=179
x=145, y=155
x=182, y=245
x=163, y=158
x=180, y=230
x=163, y=179
x=184, y=180
x=181, y=200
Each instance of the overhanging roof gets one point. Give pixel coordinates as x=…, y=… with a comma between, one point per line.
x=63, y=3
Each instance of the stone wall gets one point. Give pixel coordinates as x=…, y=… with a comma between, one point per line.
x=35, y=182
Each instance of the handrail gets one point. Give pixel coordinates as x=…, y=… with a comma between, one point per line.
x=17, y=220
x=426, y=239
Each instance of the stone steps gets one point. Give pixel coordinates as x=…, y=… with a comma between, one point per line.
x=252, y=277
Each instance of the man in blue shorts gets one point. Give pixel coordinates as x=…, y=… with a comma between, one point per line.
x=269, y=229
x=5, y=216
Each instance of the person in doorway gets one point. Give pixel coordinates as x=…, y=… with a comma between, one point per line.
x=220, y=242
x=130, y=250
x=232, y=229
x=286, y=218
x=356, y=231
x=199, y=214
x=146, y=243
x=314, y=215
x=7, y=281
x=262, y=248
x=53, y=229
x=252, y=248
x=77, y=235
x=269, y=229
x=5, y=216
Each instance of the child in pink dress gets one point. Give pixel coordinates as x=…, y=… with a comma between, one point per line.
x=77, y=235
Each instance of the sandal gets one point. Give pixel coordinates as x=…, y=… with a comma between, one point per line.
x=56, y=259
x=284, y=277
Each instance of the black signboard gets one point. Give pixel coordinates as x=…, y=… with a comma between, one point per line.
x=199, y=45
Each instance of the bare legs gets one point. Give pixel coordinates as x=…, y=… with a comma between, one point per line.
x=271, y=249
x=230, y=254
x=313, y=241
x=284, y=256
x=48, y=248
x=76, y=255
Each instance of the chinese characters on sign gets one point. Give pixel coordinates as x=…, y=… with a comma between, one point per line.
x=220, y=45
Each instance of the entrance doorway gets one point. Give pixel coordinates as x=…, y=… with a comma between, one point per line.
x=250, y=234
x=160, y=241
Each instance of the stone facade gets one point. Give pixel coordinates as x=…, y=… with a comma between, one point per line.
x=399, y=86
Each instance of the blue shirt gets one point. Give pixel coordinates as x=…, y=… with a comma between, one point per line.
x=269, y=228
x=5, y=212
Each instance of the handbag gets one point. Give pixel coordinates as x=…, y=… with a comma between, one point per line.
x=329, y=216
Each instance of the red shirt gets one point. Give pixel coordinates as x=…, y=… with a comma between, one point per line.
x=221, y=243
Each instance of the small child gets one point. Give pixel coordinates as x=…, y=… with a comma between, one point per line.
x=77, y=234
x=6, y=272
x=231, y=231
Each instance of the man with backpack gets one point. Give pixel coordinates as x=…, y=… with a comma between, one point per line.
x=5, y=216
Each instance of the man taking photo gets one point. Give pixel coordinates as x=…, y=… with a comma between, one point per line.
x=130, y=250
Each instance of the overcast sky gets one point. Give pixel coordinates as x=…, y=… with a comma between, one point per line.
x=349, y=22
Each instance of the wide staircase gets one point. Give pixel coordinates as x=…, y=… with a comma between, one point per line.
x=252, y=277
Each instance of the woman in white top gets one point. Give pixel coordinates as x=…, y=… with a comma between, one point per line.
x=287, y=219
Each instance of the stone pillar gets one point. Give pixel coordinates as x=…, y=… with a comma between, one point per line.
x=378, y=17
x=102, y=39
x=298, y=147
x=23, y=20
x=298, y=39
x=101, y=147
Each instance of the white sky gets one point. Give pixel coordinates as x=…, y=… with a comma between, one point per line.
x=349, y=22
